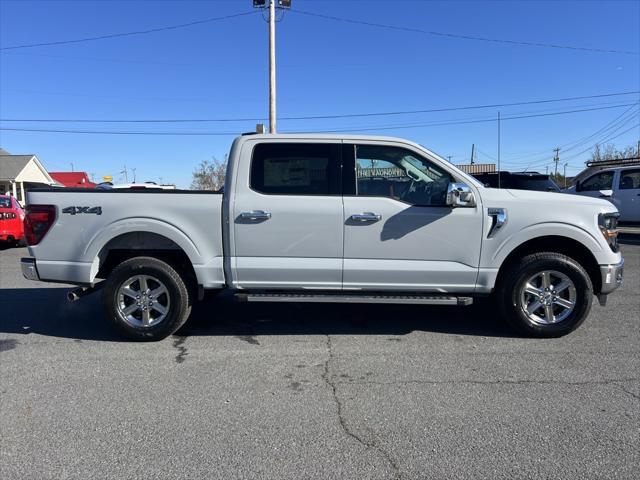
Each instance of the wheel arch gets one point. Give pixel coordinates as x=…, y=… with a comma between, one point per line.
x=143, y=243
x=559, y=244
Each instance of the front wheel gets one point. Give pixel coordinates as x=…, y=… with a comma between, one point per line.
x=146, y=299
x=545, y=295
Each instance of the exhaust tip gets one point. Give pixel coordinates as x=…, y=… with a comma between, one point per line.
x=75, y=294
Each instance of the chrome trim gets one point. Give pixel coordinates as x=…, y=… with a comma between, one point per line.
x=366, y=217
x=612, y=277
x=256, y=215
x=460, y=195
x=499, y=219
x=29, y=269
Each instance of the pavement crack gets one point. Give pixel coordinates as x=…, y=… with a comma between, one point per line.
x=178, y=343
x=612, y=381
x=628, y=392
x=369, y=444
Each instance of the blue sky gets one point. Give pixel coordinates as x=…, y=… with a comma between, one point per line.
x=219, y=70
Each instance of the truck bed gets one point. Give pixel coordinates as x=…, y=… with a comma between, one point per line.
x=90, y=222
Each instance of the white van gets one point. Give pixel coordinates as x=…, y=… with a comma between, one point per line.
x=619, y=185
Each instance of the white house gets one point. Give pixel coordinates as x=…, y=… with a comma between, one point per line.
x=18, y=173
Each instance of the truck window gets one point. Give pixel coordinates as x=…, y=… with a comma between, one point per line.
x=599, y=181
x=384, y=171
x=629, y=179
x=296, y=169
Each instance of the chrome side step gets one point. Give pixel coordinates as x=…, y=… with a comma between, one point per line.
x=350, y=298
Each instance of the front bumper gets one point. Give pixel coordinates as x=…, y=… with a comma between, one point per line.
x=612, y=277
x=29, y=269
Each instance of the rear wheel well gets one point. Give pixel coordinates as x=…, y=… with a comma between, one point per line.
x=145, y=244
x=564, y=245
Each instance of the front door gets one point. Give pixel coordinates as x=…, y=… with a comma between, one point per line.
x=398, y=232
x=627, y=195
x=287, y=216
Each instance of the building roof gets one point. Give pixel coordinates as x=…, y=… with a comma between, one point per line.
x=12, y=165
x=73, y=179
x=23, y=168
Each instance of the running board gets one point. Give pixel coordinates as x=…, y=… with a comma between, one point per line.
x=333, y=298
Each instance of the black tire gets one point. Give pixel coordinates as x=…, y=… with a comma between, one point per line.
x=177, y=294
x=508, y=294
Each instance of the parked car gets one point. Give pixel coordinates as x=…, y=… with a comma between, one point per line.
x=619, y=185
x=11, y=218
x=518, y=181
x=326, y=218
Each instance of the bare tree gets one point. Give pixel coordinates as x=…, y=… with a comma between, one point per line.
x=209, y=175
x=609, y=152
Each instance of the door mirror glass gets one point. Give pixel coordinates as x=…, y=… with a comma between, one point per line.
x=460, y=195
x=606, y=193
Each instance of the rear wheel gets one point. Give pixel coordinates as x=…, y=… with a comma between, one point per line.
x=545, y=295
x=146, y=299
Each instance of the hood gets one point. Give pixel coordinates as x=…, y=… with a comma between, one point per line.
x=551, y=199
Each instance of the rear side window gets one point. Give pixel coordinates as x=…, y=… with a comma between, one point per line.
x=600, y=181
x=629, y=179
x=296, y=169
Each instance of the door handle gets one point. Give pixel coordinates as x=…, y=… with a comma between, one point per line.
x=366, y=217
x=255, y=215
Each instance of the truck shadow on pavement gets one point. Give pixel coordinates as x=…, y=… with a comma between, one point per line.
x=46, y=311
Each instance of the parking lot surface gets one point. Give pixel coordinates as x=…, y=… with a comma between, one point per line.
x=292, y=391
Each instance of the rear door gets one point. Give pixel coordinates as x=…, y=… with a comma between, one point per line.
x=627, y=195
x=398, y=232
x=287, y=216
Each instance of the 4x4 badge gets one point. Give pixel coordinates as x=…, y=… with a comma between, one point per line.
x=79, y=210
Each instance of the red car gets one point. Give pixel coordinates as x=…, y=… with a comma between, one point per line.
x=11, y=220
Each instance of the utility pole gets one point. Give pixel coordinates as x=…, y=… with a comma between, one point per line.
x=134, y=175
x=473, y=153
x=449, y=158
x=556, y=159
x=272, y=66
x=71, y=166
x=272, y=53
x=565, y=174
x=498, y=149
x=126, y=177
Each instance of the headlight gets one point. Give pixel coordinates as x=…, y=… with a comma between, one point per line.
x=608, y=223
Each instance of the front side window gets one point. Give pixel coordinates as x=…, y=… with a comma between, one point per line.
x=629, y=179
x=599, y=181
x=401, y=174
x=295, y=169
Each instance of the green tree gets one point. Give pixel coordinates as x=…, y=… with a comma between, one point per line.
x=209, y=175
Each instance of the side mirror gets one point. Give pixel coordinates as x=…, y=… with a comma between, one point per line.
x=606, y=193
x=460, y=195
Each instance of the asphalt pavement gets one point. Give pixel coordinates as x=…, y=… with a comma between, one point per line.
x=289, y=391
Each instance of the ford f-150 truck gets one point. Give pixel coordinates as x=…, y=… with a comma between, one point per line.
x=326, y=218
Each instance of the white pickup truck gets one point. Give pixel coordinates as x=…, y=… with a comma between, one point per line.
x=326, y=218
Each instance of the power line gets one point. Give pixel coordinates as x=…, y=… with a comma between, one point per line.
x=603, y=141
x=461, y=122
x=464, y=122
x=322, y=117
x=463, y=37
x=610, y=128
x=126, y=34
x=113, y=132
